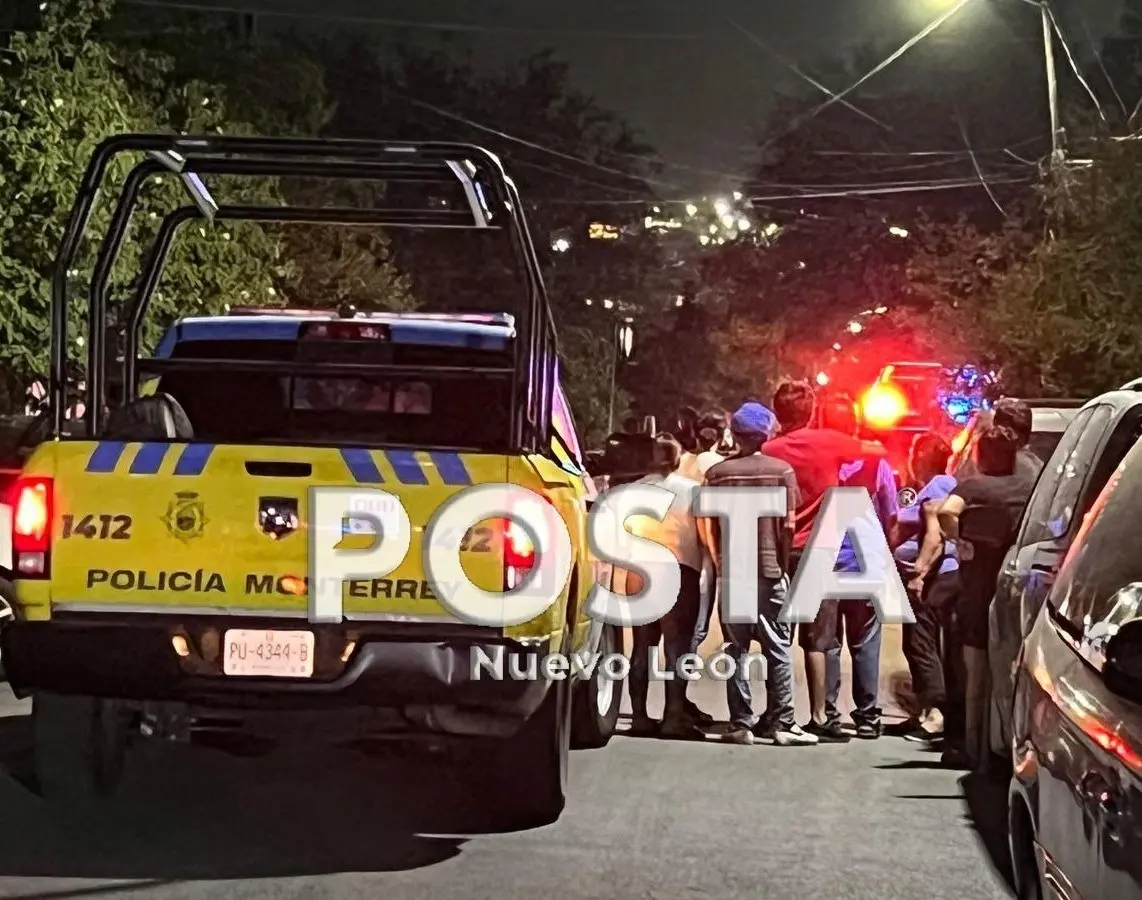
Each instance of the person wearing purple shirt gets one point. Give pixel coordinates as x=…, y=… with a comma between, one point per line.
x=930, y=568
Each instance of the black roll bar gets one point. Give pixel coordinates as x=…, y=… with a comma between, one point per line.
x=204, y=204
x=333, y=158
x=156, y=257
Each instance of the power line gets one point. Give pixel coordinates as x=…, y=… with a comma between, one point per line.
x=871, y=191
x=890, y=189
x=756, y=41
x=1074, y=65
x=414, y=24
x=530, y=144
x=926, y=153
x=978, y=170
x=877, y=69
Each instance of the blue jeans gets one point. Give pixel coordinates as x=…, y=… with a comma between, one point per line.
x=857, y=625
x=775, y=639
x=709, y=596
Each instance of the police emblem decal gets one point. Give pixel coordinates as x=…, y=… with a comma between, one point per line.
x=186, y=516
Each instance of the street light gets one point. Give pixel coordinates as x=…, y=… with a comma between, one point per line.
x=623, y=345
x=625, y=340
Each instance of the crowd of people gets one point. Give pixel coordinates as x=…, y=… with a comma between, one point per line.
x=808, y=447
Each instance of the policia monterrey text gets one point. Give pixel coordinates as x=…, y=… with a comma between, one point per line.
x=204, y=581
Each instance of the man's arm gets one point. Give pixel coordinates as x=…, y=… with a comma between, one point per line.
x=949, y=516
x=932, y=545
x=793, y=498
x=708, y=534
x=886, y=505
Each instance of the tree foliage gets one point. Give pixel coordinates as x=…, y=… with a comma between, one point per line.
x=279, y=83
x=64, y=89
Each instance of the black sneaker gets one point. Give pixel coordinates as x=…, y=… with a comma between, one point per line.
x=644, y=726
x=868, y=731
x=921, y=735
x=956, y=758
x=738, y=734
x=903, y=729
x=680, y=728
x=829, y=733
x=699, y=718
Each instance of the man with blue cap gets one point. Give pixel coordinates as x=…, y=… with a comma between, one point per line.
x=752, y=425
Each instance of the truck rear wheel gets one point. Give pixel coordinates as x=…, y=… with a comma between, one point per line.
x=595, y=715
x=80, y=746
x=525, y=776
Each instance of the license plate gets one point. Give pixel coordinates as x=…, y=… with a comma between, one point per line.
x=268, y=654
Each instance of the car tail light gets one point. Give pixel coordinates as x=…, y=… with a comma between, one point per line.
x=344, y=331
x=883, y=406
x=31, y=503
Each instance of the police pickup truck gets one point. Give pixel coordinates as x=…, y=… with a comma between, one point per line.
x=161, y=559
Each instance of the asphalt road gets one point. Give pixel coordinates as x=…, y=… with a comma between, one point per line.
x=645, y=819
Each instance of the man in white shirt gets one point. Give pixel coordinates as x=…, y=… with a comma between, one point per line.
x=708, y=436
x=678, y=532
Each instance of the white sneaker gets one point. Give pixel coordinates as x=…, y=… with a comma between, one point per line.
x=794, y=736
x=738, y=736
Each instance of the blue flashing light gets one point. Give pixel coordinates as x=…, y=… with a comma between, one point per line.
x=959, y=409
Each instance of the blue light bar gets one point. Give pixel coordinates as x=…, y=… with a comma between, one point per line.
x=489, y=333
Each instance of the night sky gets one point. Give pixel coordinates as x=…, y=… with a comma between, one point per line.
x=698, y=89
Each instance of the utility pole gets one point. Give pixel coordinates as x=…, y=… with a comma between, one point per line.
x=1052, y=84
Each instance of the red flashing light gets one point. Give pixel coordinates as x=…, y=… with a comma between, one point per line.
x=31, y=503
x=345, y=331
x=883, y=406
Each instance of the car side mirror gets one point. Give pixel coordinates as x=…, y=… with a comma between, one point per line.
x=987, y=526
x=1122, y=668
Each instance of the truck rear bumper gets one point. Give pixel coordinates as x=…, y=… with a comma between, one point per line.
x=425, y=671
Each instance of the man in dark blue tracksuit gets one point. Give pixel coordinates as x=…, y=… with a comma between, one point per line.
x=857, y=623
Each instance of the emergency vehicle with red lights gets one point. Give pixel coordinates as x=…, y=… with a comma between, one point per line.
x=912, y=398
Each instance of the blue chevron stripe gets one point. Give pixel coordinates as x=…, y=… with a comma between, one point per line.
x=105, y=457
x=451, y=467
x=406, y=467
x=149, y=458
x=193, y=459
x=362, y=466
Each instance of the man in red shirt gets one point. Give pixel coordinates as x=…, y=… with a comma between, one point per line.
x=817, y=456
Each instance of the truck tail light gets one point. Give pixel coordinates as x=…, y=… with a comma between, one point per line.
x=31, y=503
x=519, y=554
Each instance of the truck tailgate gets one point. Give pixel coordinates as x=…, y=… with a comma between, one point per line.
x=221, y=528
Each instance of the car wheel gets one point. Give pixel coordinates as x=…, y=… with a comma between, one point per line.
x=523, y=779
x=597, y=700
x=1024, y=865
x=80, y=746
x=7, y=614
